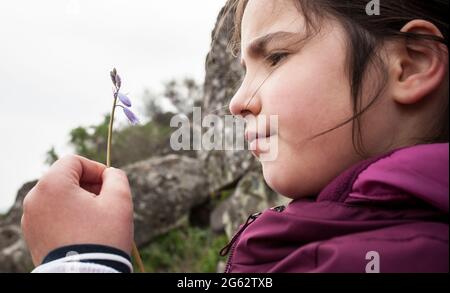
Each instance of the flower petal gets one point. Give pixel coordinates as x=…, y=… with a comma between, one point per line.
x=124, y=99
x=131, y=116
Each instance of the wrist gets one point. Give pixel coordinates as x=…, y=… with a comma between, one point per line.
x=90, y=253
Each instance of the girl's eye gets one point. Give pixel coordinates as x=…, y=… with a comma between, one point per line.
x=276, y=58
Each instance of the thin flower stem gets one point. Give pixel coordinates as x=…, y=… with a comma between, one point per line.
x=110, y=130
x=134, y=249
x=137, y=257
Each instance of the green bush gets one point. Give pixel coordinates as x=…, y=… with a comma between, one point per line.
x=187, y=249
x=129, y=144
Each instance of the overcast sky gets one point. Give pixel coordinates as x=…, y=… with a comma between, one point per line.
x=55, y=58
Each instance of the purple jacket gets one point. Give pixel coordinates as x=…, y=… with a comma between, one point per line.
x=387, y=214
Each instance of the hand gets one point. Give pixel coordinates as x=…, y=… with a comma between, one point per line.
x=78, y=201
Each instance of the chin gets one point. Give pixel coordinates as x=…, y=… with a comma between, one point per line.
x=284, y=182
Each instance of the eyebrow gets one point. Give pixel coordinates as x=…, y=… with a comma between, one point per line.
x=258, y=47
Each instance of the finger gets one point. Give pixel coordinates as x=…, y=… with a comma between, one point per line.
x=79, y=169
x=92, y=187
x=115, y=182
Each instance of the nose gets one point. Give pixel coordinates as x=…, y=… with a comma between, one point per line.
x=245, y=102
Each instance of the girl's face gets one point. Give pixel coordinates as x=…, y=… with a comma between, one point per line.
x=308, y=89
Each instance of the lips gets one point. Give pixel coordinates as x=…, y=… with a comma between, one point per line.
x=259, y=133
x=259, y=142
x=250, y=136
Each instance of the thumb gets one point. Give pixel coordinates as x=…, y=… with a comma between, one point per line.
x=115, y=183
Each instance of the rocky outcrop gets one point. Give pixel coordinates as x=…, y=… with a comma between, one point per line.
x=223, y=77
x=250, y=196
x=14, y=256
x=165, y=190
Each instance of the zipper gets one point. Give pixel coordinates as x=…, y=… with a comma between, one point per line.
x=230, y=247
x=279, y=209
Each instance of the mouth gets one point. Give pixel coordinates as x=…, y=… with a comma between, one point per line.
x=251, y=136
x=259, y=142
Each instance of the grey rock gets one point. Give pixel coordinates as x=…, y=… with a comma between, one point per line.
x=165, y=190
x=223, y=77
x=14, y=256
x=252, y=195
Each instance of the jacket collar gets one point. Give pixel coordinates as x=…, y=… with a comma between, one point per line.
x=419, y=172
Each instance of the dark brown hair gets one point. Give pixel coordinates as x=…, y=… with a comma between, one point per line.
x=365, y=34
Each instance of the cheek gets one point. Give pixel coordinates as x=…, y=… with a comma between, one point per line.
x=310, y=100
x=303, y=169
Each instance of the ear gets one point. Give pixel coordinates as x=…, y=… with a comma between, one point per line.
x=419, y=66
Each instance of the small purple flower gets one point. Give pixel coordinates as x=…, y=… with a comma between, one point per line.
x=124, y=99
x=131, y=116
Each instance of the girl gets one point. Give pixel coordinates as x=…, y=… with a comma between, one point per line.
x=362, y=102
